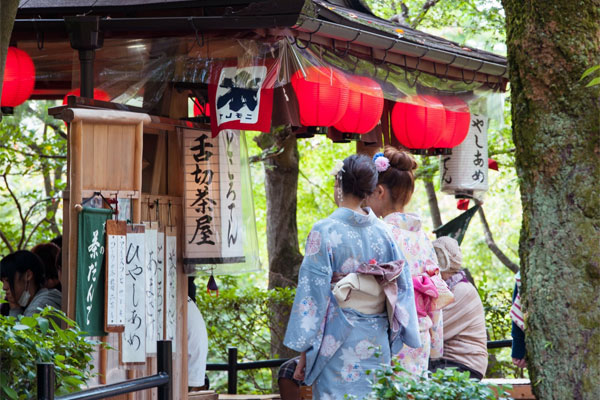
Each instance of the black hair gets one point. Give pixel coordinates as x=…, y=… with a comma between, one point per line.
x=21, y=261
x=359, y=177
x=48, y=253
x=192, y=288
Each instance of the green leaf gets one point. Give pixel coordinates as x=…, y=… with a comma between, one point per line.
x=10, y=392
x=44, y=324
x=21, y=327
x=589, y=71
x=594, y=82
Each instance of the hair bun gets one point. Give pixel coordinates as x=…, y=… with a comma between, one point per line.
x=399, y=159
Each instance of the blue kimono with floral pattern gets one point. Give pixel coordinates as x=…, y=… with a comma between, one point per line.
x=342, y=344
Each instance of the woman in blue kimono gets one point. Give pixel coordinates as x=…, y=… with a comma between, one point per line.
x=339, y=343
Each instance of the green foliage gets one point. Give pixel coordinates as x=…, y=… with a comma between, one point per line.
x=478, y=23
x=240, y=317
x=28, y=340
x=32, y=163
x=444, y=384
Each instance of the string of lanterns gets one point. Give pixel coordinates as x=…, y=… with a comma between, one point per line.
x=354, y=104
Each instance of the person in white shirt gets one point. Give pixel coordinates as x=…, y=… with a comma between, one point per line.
x=197, y=343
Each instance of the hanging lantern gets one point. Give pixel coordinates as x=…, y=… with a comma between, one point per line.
x=457, y=122
x=19, y=78
x=418, y=122
x=365, y=105
x=465, y=171
x=99, y=94
x=322, y=94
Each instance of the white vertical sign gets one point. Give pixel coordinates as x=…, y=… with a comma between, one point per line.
x=171, y=289
x=133, y=339
x=160, y=285
x=112, y=281
x=122, y=246
x=230, y=185
x=466, y=169
x=151, y=314
x=213, y=198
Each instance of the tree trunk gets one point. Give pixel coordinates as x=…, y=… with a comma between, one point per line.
x=434, y=208
x=281, y=184
x=556, y=133
x=8, y=11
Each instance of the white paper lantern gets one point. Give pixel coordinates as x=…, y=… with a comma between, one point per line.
x=465, y=171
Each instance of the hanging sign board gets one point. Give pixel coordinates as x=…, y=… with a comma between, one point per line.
x=89, y=301
x=241, y=97
x=214, y=231
x=465, y=171
x=171, y=287
x=133, y=339
x=116, y=246
x=160, y=285
x=151, y=261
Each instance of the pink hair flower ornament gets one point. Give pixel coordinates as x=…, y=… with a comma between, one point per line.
x=382, y=163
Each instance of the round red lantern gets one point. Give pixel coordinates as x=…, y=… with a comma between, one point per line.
x=365, y=105
x=322, y=94
x=201, y=110
x=458, y=119
x=19, y=78
x=418, y=122
x=99, y=94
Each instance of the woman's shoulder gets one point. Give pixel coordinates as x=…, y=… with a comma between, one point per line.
x=465, y=290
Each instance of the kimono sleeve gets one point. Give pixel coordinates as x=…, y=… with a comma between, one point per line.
x=312, y=294
x=409, y=332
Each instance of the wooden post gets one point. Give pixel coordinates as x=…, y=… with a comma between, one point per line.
x=70, y=269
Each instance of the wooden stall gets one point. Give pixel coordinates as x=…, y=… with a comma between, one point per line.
x=129, y=158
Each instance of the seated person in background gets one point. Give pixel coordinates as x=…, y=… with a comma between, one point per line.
x=289, y=387
x=48, y=253
x=197, y=343
x=465, y=338
x=518, y=327
x=22, y=274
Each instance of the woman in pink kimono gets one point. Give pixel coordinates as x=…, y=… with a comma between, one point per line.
x=394, y=190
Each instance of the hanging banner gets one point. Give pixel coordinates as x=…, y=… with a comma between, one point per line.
x=150, y=243
x=160, y=285
x=89, y=300
x=465, y=171
x=213, y=215
x=457, y=227
x=115, y=275
x=241, y=97
x=171, y=287
x=133, y=339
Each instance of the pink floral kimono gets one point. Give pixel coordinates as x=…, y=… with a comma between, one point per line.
x=431, y=292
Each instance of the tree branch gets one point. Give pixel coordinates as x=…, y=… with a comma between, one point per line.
x=7, y=242
x=32, y=154
x=426, y=7
x=489, y=240
x=23, y=220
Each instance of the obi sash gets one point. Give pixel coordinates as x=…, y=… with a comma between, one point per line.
x=371, y=290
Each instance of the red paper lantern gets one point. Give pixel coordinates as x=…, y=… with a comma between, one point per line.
x=458, y=119
x=365, y=105
x=19, y=78
x=201, y=110
x=99, y=94
x=418, y=122
x=322, y=94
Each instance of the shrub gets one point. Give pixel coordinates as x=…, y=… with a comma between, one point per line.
x=25, y=341
x=444, y=384
x=241, y=317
